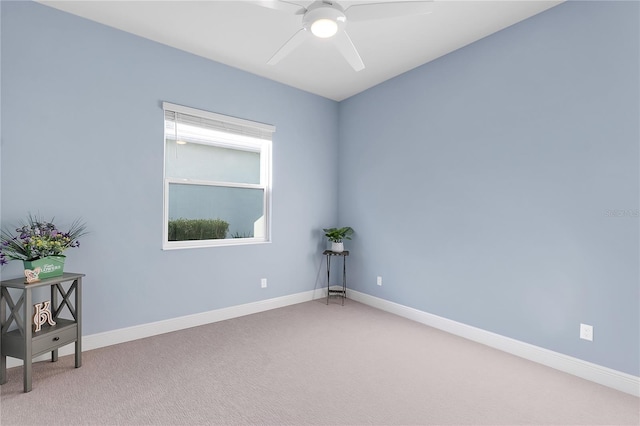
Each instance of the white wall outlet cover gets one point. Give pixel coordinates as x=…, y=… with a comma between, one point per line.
x=586, y=332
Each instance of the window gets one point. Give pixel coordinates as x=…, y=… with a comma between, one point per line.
x=216, y=179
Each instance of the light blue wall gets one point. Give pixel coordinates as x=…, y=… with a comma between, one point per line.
x=481, y=185
x=1, y=122
x=83, y=136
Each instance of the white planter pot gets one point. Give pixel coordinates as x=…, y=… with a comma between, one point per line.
x=337, y=247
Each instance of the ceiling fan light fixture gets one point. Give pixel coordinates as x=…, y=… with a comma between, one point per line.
x=324, y=20
x=324, y=28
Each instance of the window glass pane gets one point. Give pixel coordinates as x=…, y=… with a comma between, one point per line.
x=211, y=163
x=241, y=208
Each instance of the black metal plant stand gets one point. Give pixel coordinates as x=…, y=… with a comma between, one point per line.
x=342, y=292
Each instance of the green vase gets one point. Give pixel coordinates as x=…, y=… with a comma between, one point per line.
x=50, y=266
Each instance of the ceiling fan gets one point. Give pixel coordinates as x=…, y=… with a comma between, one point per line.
x=328, y=19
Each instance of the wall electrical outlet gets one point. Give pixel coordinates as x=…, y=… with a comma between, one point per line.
x=586, y=332
x=379, y=281
x=263, y=283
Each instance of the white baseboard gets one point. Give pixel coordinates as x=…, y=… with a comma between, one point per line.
x=605, y=376
x=122, y=335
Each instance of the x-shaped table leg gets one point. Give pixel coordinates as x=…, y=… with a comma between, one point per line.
x=65, y=299
x=14, y=314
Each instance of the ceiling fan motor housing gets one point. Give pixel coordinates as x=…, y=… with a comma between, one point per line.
x=328, y=11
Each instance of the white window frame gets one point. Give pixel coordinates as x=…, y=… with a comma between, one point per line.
x=246, y=135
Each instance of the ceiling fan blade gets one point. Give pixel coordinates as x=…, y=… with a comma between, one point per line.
x=286, y=6
x=348, y=50
x=371, y=11
x=296, y=40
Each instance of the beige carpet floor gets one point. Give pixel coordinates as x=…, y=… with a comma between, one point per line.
x=308, y=364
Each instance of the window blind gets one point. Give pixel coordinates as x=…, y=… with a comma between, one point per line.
x=178, y=115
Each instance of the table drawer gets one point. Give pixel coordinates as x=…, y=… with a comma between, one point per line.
x=54, y=339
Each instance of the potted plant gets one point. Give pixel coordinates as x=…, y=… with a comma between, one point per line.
x=337, y=236
x=39, y=244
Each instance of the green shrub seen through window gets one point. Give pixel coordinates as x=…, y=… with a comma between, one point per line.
x=197, y=229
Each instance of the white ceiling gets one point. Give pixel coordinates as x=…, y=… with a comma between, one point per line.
x=245, y=35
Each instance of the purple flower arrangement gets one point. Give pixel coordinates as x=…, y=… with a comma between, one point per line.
x=37, y=238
